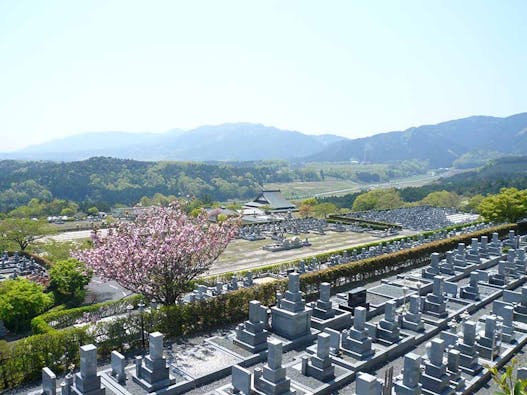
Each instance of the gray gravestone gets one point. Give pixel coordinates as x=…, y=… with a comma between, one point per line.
x=152, y=372
x=87, y=381
x=241, y=380
x=368, y=385
x=411, y=374
x=291, y=319
x=325, y=292
x=334, y=341
x=49, y=382
x=118, y=363
x=359, y=318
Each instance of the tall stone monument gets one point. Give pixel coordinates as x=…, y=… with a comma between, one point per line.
x=468, y=355
x=87, y=382
x=411, y=319
x=292, y=318
x=409, y=385
x=272, y=380
x=323, y=308
x=434, y=303
x=489, y=343
x=435, y=379
x=151, y=371
x=471, y=291
x=319, y=365
x=367, y=384
x=388, y=327
x=355, y=341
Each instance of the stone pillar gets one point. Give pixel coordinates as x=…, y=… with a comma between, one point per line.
x=434, y=378
x=434, y=303
x=118, y=364
x=323, y=307
x=319, y=365
x=411, y=374
x=67, y=386
x=87, y=381
x=153, y=374
x=507, y=330
x=272, y=380
x=49, y=382
x=334, y=341
x=388, y=327
x=252, y=335
x=355, y=341
x=412, y=319
x=488, y=343
x=468, y=355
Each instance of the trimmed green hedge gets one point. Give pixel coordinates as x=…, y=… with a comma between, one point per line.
x=60, y=319
x=23, y=360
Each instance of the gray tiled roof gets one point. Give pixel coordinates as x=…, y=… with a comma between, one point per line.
x=273, y=198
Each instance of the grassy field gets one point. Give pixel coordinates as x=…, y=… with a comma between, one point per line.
x=303, y=190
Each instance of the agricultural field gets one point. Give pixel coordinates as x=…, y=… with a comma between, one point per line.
x=303, y=190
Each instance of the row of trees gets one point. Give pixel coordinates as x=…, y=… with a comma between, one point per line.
x=509, y=205
x=64, y=188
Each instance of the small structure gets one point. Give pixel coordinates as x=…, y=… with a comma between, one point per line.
x=319, y=365
x=272, y=380
x=291, y=319
x=355, y=341
x=471, y=291
x=409, y=385
x=325, y=315
x=434, y=303
x=118, y=364
x=49, y=382
x=488, y=342
x=411, y=319
x=468, y=355
x=368, y=385
x=251, y=335
x=151, y=372
x=388, y=327
x=435, y=379
x=87, y=382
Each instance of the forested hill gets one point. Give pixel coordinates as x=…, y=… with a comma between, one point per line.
x=227, y=142
x=112, y=181
x=500, y=173
x=441, y=145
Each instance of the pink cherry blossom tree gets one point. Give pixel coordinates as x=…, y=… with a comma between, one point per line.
x=159, y=253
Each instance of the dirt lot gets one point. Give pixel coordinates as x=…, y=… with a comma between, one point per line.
x=243, y=254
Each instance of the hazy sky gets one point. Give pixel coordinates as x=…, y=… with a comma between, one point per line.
x=352, y=68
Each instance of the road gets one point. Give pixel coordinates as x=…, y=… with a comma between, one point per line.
x=397, y=183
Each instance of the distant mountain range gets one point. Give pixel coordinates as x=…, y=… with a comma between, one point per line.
x=440, y=145
x=226, y=142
